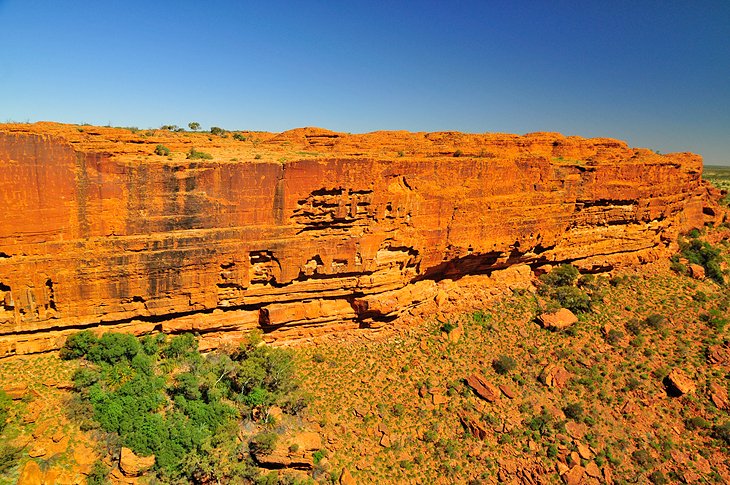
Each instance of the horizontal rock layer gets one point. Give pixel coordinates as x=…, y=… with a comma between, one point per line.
x=326, y=231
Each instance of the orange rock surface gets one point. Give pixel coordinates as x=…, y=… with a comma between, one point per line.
x=308, y=230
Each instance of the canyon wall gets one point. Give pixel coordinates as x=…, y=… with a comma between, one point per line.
x=306, y=231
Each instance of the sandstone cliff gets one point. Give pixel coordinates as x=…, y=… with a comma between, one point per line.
x=308, y=230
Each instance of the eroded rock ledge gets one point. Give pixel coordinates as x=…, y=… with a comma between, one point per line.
x=309, y=230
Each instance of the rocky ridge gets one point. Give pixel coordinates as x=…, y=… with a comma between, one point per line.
x=308, y=231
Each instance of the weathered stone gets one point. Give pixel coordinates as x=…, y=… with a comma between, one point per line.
x=554, y=375
x=696, y=271
x=354, y=236
x=719, y=396
x=483, y=388
x=133, y=465
x=592, y=470
x=679, y=381
x=473, y=426
x=508, y=391
x=574, y=476
x=455, y=334
x=559, y=320
x=718, y=355
x=30, y=474
x=584, y=451
x=16, y=391
x=346, y=477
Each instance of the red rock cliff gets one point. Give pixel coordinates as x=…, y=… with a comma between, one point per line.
x=307, y=230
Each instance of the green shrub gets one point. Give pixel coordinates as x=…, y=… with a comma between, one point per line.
x=641, y=457
x=9, y=457
x=564, y=275
x=194, y=125
x=186, y=421
x=697, y=422
x=5, y=403
x=263, y=443
x=613, y=337
x=77, y=345
x=657, y=478
x=722, y=432
x=318, y=455
x=504, y=364
x=214, y=130
x=574, y=411
x=239, y=137
x=447, y=327
x=194, y=154
x=98, y=474
x=654, y=321
x=573, y=299
x=162, y=150
x=702, y=253
x=633, y=326
x=180, y=345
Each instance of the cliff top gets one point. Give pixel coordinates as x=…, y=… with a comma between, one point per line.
x=131, y=144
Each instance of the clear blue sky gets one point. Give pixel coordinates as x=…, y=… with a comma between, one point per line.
x=654, y=73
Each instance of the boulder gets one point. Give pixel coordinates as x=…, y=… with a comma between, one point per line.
x=554, y=375
x=696, y=271
x=30, y=474
x=574, y=476
x=559, y=320
x=483, y=388
x=678, y=381
x=473, y=425
x=346, y=478
x=133, y=465
x=719, y=396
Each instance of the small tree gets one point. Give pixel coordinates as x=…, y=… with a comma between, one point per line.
x=162, y=151
x=194, y=125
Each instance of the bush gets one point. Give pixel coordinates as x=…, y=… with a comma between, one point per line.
x=214, y=130
x=705, y=255
x=722, y=432
x=5, y=403
x=239, y=137
x=162, y=150
x=98, y=474
x=613, y=337
x=113, y=347
x=263, y=443
x=193, y=154
x=9, y=456
x=77, y=345
x=188, y=422
x=633, y=326
x=565, y=275
x=697, y=422
x=573, y=299
x=180, y=345
x=654, y=321
x=574, y=411
x=194, y=125
x=504, y=364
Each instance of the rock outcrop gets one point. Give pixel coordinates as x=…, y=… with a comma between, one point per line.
x=309, y=230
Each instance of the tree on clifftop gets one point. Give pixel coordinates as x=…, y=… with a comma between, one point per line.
x=194, y=125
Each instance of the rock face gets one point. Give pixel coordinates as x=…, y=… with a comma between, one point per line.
x=309, y=230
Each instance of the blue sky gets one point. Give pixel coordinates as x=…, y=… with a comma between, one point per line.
x=653, y=73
